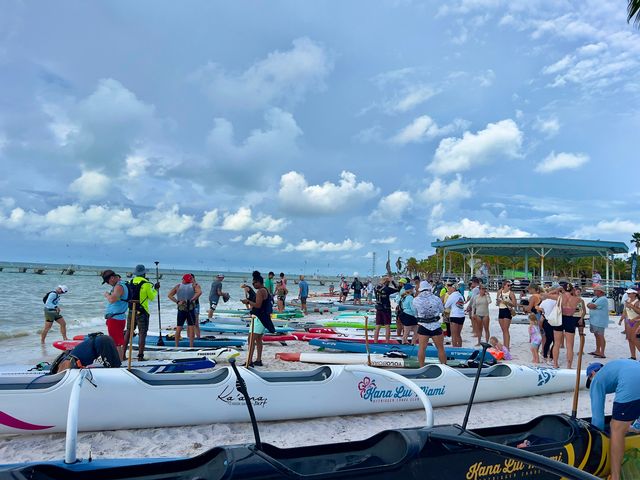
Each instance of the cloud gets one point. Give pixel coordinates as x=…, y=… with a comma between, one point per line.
x=392, y=206
x=474, y=228
x=282, y=77
x=440, y=191
x=162, y=221
x=237, y=238
x=547, y=126
x=616, y=227
x=486, y=79
x=321, y=246
x=561, y=161
x=298, y=197
x=91, y=185
x=383, y=241
x=425, y=128
x=410, y=98
x=242, y=219
x=260, y=240
x=498, y=140
x=209, y=219
x=242, y=164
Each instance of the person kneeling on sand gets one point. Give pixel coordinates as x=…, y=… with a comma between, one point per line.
x=95, y=346
x=621, y=377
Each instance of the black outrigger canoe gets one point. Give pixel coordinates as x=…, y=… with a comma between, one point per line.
x=560, y=447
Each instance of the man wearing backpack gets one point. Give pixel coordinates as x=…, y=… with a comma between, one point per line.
x=141, y=291
x=52, y=312
x=117, y=308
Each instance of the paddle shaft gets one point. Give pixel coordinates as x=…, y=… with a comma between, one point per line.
x=250, y=351
x=576, y=390
x=475, y=385
x=366, y=339
x=242, y=388
x=160, y=340
x=134, y=313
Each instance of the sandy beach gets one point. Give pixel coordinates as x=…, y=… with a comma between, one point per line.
x=192, y=440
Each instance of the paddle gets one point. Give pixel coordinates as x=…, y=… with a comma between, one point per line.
x=576, y=390
x=485, y=346
x=366, y=339
x=242, y=388
x=134, y=314
x=160, y=340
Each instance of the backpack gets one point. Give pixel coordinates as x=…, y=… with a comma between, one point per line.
x=134, y=291
x=46, y=295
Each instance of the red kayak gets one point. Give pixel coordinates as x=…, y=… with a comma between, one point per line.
x=265, y=338
x=322, y=330
x=67, y=344
x=306, y=336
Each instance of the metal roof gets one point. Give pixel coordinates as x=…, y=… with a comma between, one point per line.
x=517, y=247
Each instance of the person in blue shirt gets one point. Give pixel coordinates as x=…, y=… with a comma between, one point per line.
x=303, y=293
x=598, y=319
x=621, y=377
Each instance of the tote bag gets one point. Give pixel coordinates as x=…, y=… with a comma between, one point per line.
x=555, y=316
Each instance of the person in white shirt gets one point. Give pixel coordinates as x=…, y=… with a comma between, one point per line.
x=455, y=302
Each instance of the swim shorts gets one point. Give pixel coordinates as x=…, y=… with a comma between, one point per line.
x=357, y=295
x=115, y=328
x=569, y=323
x=408, y=320
x=457, y=320
x=429, y=333
x=186, y=316
x=626, y=412
x=504, y=313
x=596, y=330
x=51, y=315
x=142, y=320
x=258, y=327
x=383, y=318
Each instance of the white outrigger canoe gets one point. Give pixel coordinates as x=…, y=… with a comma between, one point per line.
x=29, y=405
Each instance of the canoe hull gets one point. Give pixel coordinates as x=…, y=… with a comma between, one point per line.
x=276, y=395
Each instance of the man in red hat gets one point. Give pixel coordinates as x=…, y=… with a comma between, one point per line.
x=185, y=295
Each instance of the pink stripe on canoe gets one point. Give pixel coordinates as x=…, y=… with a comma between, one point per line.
x=13, y=422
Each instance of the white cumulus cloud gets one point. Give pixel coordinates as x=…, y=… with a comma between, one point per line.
x=384, y=241
x=281, y=77
x=321, y=246
x=502, y=139
x=425, y=128
x=547, y=126
x=441, y=191
x=604, y=228
x=209, y=219
x=91, y=185
x=561, y=161
x=474, y=228
x=297, y=196
x=259, y=240
x=392, y=206
x=243, y=219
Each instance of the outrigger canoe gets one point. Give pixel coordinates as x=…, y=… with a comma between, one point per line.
x=561, y=447
x=208, y=341
x=29, y=405
x=453, y=353
x=377, y=359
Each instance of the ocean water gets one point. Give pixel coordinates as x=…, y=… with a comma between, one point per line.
x=21, y=307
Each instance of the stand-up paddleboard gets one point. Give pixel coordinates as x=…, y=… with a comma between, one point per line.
x=150, y=366
x=377, y=359
x=345, y=324
x=222, y=328
x=208, y=341
x=40, y=404
x=455, y=353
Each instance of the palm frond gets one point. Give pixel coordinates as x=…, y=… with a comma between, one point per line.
x=633, y=10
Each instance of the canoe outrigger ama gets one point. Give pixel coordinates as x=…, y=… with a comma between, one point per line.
x=552, y=447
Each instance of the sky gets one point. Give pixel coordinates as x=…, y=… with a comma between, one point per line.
x=304, y=136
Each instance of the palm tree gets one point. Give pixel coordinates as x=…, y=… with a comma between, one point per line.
x=635, y=238
x=633, y=10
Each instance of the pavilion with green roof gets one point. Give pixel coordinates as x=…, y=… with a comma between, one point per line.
x=532, y=247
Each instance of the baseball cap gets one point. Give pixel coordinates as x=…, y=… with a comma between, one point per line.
x=592, y=368
x=106, y=275
x=403, y=280
x=187, y=278
x=63, y=288
x=408, y=286
x=631, y=290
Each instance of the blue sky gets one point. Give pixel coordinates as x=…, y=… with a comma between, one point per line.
x=307, y=135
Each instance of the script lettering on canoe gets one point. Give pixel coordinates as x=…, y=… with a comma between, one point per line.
x=504, y=470
x=370, y=391
x=231, y=396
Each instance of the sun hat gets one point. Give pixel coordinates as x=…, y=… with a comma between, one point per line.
x=139, y=270
x=592, y=368
x=598, y=287
x=63, y=288
x=106, y=275
x=425, y=287
x=187, y=278
x=631, y=290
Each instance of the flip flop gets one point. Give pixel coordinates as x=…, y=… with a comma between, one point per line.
x=599, y=356
x=591, y=353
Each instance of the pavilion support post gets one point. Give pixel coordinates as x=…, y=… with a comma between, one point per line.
x=444, y=261
x=607, y=264
x=542, y=253
x=526, y=263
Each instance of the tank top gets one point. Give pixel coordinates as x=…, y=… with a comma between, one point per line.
x=118, y=309
x=629, y=313
x=481, y=304
x=185, y=293
x=504, y=297
x=578, y=312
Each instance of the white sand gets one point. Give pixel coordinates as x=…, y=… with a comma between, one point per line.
x=189, y=441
